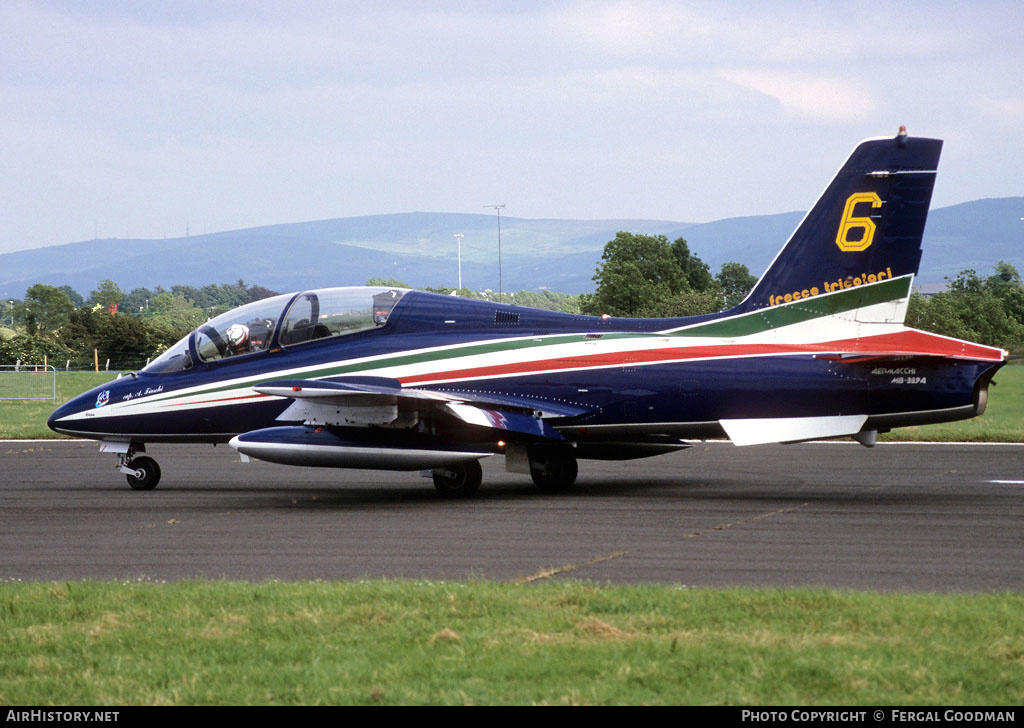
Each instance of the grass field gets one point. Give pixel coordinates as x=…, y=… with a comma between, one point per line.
x=1003, y=421
x=26, y=419
x=407, y=642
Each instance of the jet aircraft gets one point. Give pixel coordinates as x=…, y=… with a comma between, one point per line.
x=395, y=379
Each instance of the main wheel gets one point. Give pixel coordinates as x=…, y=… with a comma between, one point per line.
x=459, y=480
x=147, y=473
x=553, y=471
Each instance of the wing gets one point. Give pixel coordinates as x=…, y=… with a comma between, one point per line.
x=383, y=402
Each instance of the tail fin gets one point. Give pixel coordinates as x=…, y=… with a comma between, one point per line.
x=865, y=228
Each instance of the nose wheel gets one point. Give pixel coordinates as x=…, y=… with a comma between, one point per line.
x=143, y=473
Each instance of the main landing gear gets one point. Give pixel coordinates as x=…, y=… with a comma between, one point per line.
x=553, y=470
x=143, y=473
x=460, y=480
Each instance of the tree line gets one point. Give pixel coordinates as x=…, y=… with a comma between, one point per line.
x=645, y=275
x=639, y=275
x=58, y=325
x=986, y=310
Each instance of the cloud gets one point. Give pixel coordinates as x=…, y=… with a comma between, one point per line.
x=819, y=97
x=273, y=111
x=724, y=32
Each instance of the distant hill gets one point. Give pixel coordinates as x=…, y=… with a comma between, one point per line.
x=420, y=249
x=973, y=235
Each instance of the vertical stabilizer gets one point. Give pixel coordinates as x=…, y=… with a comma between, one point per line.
x=865, y=228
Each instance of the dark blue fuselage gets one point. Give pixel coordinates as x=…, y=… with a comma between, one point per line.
x=684, y=398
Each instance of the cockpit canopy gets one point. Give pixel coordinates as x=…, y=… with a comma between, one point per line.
x=284, y=321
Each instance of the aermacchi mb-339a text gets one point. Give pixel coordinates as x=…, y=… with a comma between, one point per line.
x=395, y=379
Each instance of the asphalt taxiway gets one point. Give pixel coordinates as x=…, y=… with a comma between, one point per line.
x=895, y=517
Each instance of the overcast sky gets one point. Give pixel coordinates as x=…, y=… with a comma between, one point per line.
x=137, y=119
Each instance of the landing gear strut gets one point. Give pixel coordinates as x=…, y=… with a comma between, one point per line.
x=459, y=480
x=142, y=472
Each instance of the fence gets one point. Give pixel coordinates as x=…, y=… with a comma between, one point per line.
x=28, y=381
x=99, y=360
x=102, y=361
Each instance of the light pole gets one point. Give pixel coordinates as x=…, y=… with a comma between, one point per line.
x=497, y=209
x=12, y=313
x=458, y=239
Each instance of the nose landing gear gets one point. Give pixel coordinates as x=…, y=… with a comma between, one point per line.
x=142, y=473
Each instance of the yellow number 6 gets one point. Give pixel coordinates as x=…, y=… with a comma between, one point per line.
x=852, y=223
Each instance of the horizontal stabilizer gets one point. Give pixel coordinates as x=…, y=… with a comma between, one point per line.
x=760, y=431
x=911, y=342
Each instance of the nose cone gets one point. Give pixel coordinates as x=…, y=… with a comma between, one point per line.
x=56, y=415
x=77, y=416
x=61, y=419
